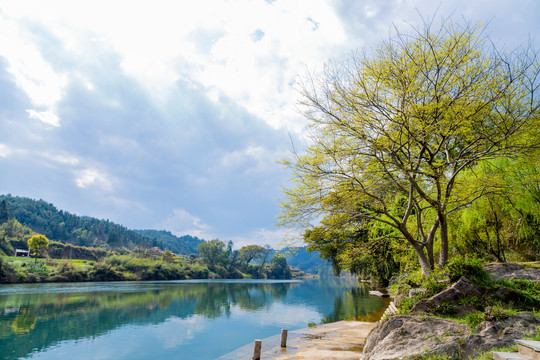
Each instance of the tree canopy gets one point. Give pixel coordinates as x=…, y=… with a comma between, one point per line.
x=392, y=132
x=36, y=243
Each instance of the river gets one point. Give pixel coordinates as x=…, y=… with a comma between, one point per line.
x=167, y=319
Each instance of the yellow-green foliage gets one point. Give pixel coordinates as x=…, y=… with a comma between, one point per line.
x=36, y=243
x=393, y=131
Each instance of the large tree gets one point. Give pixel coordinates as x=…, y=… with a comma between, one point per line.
x=404, y=122
x=213, y=251
x=252, y=252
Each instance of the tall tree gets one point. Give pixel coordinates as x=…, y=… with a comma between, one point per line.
x=252, y=252
x=213, y=251
x=406, y=121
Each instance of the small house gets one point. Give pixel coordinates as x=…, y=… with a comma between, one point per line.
x=22, y=253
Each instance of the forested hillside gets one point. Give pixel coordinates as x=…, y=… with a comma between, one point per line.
x=185, y=244
x=20, y=217
x=44, y=218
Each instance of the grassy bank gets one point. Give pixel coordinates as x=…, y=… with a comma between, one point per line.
x=111, y=268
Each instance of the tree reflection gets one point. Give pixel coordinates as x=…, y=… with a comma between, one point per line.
x=47, y=318
x=24, y=322
x=34, y=322
x=355, y=304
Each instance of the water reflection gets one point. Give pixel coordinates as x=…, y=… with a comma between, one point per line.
x=36, y=318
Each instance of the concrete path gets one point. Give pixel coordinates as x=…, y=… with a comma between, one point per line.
x=339, y=340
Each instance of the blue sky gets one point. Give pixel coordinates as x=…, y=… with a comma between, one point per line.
x=174, y=114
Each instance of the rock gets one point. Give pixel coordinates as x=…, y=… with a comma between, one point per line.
x=512, y=271
x=403, y=294
x=447, y=301
x=463, y=287
x=406, y=336
x=403, y=336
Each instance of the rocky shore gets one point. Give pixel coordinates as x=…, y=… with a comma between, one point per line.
x=409, y=336
x=421, y=333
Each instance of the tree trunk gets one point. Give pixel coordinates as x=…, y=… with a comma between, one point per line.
x=443, y=256
x=424, y=262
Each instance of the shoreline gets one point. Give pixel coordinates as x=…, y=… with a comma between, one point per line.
x=343, y=339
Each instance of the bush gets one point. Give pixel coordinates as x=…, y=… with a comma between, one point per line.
x=66, y=272
x=471, y=268
x=8, y=274
x=196, y=271
x=104, y=272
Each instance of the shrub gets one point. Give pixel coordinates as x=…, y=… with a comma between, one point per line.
x=104, y=272
x=8, y=274
x=471, y=268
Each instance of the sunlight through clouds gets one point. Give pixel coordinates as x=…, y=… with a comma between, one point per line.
x=179, y=111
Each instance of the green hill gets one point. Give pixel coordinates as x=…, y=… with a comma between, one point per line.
x=185, y=245
x=58, y=225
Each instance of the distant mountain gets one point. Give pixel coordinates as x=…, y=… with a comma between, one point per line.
x=185, y=245
x=309, y=262
x=62, y=226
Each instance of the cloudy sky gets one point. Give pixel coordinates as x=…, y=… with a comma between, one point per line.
x=173, y=114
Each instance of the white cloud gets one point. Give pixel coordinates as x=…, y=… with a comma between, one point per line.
x=93, y=177
x=160, y=43
x=32, y=73
x=276, y=238
x=47, y=117
x=4, y=150
x=182, y=222
x=251, y=160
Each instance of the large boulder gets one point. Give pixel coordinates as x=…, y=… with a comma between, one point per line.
x=403, y=336
x=409, y=336
x=512, y=271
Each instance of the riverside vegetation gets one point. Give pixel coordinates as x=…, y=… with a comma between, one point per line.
x=115, y=253
x=423, y=163
x=423, y=150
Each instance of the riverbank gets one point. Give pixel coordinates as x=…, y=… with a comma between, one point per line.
x=462, y=319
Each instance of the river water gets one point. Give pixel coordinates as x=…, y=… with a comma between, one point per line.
x=168, y=319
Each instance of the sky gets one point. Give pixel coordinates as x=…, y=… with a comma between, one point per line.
x=174, y=115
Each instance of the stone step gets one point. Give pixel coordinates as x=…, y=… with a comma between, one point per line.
x=529, y=348
x=499, y=355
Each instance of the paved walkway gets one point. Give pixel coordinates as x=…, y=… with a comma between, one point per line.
x=339, y=340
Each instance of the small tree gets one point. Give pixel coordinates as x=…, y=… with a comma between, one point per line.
x=168, y=256
x=279, y=269
x=37, y=243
